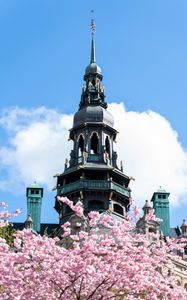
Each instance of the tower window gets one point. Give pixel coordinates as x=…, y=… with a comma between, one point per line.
x=68, y=210
x=80, y=145
x=94, y=144
x=107, y=145
x=151, y=230
x=118, y=209
x=95, y=204
x=93, y=82
x=34, y=192
x=161, y=196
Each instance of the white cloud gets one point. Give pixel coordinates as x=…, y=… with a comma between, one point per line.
x=37, y=147
x=151, y=152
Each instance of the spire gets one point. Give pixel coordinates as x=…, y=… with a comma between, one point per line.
x=92, y=60
x=93, y=68
x=93, y=90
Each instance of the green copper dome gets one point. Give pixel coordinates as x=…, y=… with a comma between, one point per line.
x=161, y=190
x=34, y=185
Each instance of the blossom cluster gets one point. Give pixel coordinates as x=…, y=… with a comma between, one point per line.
x=118, y=264
x=5, y=215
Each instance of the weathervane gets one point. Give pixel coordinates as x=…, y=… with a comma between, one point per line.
x=92, y=25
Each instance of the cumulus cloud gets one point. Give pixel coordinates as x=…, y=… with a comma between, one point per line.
x=36, y=147
x=152, y=153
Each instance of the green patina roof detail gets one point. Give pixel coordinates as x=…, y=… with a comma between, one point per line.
x=34, y=185
x=161, y=190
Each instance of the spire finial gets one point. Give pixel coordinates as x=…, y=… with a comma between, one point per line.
x=92, y=26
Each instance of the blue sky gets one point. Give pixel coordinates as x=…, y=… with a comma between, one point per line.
x=45, y=47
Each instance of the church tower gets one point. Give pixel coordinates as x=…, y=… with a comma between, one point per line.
x=92, y=174
x=161, y=207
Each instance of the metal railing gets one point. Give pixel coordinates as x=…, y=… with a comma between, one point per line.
x=95, y=184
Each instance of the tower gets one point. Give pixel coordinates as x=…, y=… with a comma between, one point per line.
x=161, y=206
x=146, y=225
x=92, y=174
x=28, y=222
x=34, y=203
x=184, y=228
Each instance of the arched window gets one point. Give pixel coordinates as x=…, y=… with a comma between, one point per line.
x=94, y=144
x=107, y=145
x=80, y=145
x=96, y=205
x=185, y=286
x=118, y=209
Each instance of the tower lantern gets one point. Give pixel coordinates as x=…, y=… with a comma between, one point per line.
x=34, y=202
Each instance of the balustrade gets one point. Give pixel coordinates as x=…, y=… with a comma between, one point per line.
x=95, y=184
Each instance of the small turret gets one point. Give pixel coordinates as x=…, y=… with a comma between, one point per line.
x=28, y=222
x=34, y=203
x=184, y=227
x=161, y=207
x=146, y=225
x=146, y=208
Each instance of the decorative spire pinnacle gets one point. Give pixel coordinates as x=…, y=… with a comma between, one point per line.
x=92, y=26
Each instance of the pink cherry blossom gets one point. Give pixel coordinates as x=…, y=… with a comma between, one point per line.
x=136, y=211
x=98, y=265
x=151, y=216
x=77, y=208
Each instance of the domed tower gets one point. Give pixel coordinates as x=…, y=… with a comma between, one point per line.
x=92, y=174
